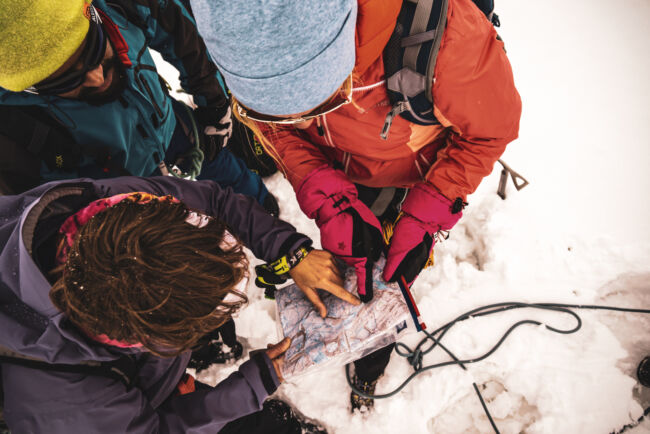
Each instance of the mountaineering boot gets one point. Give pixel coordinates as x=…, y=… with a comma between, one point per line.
x=290, y=417
x=214, y=352
x=361, y=403
x=643, y=372
x=276, y=417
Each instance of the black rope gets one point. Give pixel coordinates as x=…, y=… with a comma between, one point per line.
x=415, y=356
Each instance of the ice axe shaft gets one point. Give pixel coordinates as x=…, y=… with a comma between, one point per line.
x=410, y=302
x=518, y=180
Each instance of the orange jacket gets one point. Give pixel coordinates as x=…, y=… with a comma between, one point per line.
x=475, y=101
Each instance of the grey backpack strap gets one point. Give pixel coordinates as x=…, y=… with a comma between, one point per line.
x=409, y=70
x=419, y=35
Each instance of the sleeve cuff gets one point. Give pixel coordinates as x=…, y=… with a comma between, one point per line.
x=293, y=243
x=268, y=375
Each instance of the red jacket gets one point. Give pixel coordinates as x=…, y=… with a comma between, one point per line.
x=474, y=99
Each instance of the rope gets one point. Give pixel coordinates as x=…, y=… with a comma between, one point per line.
x=193, y=155
x=415, y=356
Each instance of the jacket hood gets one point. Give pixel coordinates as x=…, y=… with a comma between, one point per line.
x=31, y=325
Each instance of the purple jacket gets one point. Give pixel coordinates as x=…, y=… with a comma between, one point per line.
x=39, y=401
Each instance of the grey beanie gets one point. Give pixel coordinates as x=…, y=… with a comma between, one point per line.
x=280, y=57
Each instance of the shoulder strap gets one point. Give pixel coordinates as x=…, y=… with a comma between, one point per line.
x=123, y=369
x=410, y=59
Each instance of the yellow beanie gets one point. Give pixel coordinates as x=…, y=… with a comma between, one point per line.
x=37, y=37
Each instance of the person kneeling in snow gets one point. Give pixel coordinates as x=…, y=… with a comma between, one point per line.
x=318, y=100
x=81, y=96
x=138, y=269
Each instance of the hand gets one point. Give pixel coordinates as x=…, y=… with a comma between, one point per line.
x=347, y=226
x=276, y=353
x=424, y=212
x=217, y=129
x=319, y=271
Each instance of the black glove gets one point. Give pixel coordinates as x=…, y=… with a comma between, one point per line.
x=277, y=272
x=267, y=279
x=215, y=124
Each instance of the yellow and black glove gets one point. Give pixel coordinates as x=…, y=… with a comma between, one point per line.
x=277, y=272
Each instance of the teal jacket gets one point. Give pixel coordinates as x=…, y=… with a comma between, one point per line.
x=137, y=128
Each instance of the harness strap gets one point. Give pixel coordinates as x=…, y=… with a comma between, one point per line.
x=419, y=25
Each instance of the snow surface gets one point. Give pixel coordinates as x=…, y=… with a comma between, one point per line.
x=579, y=233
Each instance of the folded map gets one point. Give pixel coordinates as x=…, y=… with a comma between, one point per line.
x=348, y=332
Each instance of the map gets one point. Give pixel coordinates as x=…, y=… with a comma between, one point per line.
x=348, y=332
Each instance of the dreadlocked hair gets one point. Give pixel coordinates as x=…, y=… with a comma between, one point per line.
x=139, y=273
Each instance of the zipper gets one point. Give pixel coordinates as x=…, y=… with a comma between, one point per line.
x=398, y=107
x=319, y=127
x=328, y=138
x=151, y=98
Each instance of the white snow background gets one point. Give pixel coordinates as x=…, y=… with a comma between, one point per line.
x=579, y=234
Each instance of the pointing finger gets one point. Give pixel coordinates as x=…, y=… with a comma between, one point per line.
x=340, y=292
x=316, y=301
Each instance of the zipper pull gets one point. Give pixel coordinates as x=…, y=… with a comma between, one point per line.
x=398, y=108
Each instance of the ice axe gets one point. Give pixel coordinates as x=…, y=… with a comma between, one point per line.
x=518, y=180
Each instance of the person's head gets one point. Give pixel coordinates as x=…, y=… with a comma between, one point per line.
x=58, y=48
x=281, y=59
x=142, y=273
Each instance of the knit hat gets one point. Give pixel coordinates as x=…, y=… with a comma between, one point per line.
x=37, y=37
x=280, y=57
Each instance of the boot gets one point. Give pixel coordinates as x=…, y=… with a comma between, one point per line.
x=361, y=403
x=291, y=418
x=214, y=352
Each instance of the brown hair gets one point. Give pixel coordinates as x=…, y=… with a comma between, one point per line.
x=139, y=273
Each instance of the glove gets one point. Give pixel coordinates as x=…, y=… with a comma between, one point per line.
x=277, y=272
x=216, y=125
x=424, y=212
x=348, y=228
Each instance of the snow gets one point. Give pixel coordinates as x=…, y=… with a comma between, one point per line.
x=579, y=233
